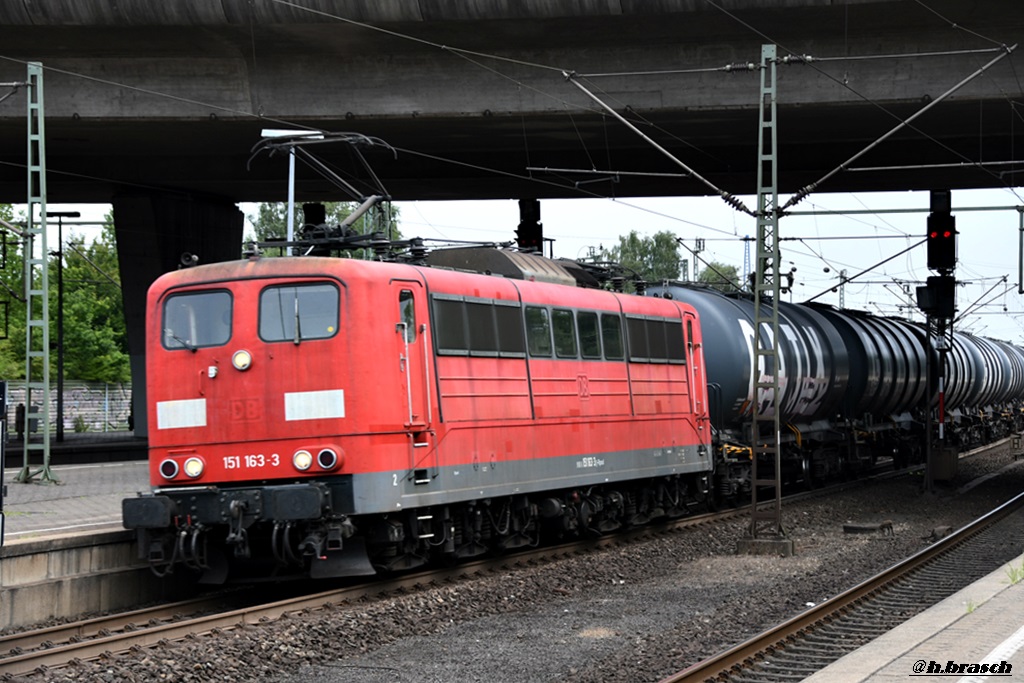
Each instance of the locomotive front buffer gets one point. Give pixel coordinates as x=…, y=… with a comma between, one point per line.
x=294, y=526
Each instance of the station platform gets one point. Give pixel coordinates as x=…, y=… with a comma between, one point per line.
x=94, y=472
x=982, y=624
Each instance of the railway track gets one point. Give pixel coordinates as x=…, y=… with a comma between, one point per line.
x=56, y=646
x=822, y=634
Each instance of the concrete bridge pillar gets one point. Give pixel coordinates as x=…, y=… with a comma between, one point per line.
x=153, y=231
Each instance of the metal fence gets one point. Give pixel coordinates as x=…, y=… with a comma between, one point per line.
x=88, y=407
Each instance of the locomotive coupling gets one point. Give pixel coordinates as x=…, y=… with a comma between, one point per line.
x=313, y=545
x=326, y=539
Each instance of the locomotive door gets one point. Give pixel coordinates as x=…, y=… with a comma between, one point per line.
x=413, y=358
x=698, y=386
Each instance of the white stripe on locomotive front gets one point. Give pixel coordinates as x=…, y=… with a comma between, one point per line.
x=181, y=414
x=314, y=405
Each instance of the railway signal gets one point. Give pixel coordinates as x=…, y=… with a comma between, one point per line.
x=938, y=301
x=530, y=233
x=941, y=242
x=938, y=297
x=941, y=233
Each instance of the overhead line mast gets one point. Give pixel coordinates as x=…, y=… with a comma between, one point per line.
x=766, y=533
x=37, y=289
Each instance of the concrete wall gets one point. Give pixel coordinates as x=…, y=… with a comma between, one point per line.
x=68, y=577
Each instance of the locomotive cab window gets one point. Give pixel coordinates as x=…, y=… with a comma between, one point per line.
x=298, y=313
x=407, y=314
x=194, y=320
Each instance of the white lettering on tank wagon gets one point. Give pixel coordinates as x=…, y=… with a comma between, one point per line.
x=764, y=403
x=809, y=371
x=815, y=386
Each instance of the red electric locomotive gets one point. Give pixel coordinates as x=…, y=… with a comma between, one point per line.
x=334, y=416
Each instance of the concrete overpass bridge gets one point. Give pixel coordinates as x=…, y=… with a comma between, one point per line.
x=155, y=106
x=171, y=96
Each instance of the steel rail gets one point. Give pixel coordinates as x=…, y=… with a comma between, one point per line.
x=764, y=644
x=100, y=626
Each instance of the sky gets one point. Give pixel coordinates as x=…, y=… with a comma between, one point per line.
x=818, y=246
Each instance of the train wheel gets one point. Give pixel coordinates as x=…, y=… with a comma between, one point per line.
x=807, y=471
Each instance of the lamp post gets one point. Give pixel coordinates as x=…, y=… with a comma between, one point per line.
x=60, y=216
x=298, y=136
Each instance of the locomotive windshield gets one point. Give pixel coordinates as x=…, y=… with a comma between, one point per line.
x=196, y=319
x=298, y=312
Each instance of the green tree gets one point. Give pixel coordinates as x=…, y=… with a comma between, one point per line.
x=652, y=258
x=720, y=276
x=12, y=304
x=95, y=336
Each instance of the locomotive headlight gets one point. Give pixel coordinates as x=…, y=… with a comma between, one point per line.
x=168, y=469
x=241, y=359
x=302, y=460
x=194, y=467
x=327, y=459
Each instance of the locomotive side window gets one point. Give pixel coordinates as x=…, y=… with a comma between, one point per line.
x=564, y=328
x=590, y=337
x=298, y=312
x=657, y=344
x=478, y=328
x=611, y=335
x=637, y=328
x=450, y=326
x=407, y=314
x=197, y=319
x=538, y=331
x=483, y=335
x=655, y=341
x=510, y=329
x=676, y=345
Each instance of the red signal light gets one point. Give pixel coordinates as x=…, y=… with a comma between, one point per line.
x=941, y=242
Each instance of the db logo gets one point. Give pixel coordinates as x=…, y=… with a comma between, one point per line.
x=583, y=387
x=246, y=410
